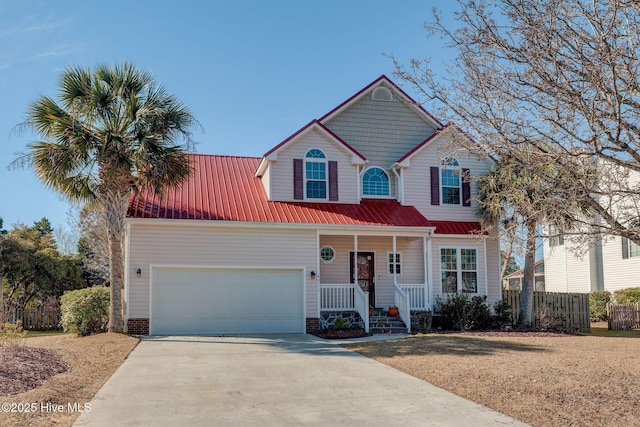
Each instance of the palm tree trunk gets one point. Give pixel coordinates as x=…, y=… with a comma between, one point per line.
x=115, y=208
x=528, y=281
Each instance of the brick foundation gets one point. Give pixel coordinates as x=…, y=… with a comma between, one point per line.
x=313, y=324
x=138, y=326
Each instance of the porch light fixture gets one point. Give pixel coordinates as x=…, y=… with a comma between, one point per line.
x=313, y=275
x=139, y=272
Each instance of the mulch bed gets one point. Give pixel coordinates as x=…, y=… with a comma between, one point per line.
x=25, y=368
x=335, y=334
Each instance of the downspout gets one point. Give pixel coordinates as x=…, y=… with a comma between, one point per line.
x=318, y=270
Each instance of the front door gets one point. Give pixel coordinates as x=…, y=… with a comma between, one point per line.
x=366, y=274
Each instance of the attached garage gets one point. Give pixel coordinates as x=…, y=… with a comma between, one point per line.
x=213, y=301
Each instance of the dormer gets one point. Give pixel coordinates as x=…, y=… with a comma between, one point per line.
x=312, y=165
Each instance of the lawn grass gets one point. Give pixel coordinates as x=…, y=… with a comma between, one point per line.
x=31, y=334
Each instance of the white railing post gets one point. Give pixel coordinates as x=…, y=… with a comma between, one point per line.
x=361, y=303
x=404, y=307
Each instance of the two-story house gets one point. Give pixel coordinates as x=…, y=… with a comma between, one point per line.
x=360, y=208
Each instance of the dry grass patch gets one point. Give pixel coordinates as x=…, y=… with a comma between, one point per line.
x=541, y=379
x=90, y=362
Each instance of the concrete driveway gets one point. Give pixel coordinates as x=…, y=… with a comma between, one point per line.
x=282, y=380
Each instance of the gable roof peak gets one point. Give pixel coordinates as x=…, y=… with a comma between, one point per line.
x=428, y=117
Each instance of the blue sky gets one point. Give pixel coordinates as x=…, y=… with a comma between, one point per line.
x=252, y=72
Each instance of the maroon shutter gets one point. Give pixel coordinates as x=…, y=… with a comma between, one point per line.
x=333, y=181
x=466, y=187
x=298, y=181
x=435, y=185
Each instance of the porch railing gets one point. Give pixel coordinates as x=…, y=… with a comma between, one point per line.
x=401, y=300
x=361, y=300
x=347, y=297
x=336, y=297
x=417, y=296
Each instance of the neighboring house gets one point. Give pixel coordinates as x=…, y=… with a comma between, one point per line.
x=366, y=194
x=513, y=281
x=607, y=266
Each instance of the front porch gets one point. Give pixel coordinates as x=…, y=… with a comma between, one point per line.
x=349, y=301
x=358, y=273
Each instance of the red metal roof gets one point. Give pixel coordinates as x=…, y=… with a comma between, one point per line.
x=224, y=188
x=457, y=227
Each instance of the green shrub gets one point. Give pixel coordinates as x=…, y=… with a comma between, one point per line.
x=459, y=312
x=625, y=296
x=598, y=305
x=424, y=321
x=340, y=324
x=502, y=312
x=11, y=334
x=85, y=311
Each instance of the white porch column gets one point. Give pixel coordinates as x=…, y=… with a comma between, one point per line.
x=395, y=278
x=486, y=276
x=355, y=259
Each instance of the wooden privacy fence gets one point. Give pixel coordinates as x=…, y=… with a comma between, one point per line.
x=623, y=316
x=36, y=319
x=551, y=310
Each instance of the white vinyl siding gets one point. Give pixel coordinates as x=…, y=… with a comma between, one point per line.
x=266, y=181
x=619, y=273
x=565, y=271
x=183, y=243
x=282, y=169
x=417, y=179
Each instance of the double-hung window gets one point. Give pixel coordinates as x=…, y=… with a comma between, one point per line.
x=450, y=182
x=315, y=174
x=459, y=270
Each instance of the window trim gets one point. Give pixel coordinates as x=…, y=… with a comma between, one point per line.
x=324, y=161
x=327, y=261
x=627, y=247
x=459, y=270
x=448, y=167
x=376, y=196
x=397, y=263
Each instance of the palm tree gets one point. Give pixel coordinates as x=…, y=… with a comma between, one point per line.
x=112, y=131
x=518, y=200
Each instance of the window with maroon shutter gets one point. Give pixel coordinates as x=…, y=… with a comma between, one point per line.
x=435, y=185
x=298, y=180
x=333, y=180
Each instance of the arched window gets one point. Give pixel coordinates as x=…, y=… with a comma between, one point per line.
x=375, y=182
x=315, y=174
x=450, y=181
x=381, y=94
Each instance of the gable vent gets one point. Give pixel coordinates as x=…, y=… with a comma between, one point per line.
x=381, y=94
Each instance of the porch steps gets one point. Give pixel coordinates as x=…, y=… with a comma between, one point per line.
x=381, y=323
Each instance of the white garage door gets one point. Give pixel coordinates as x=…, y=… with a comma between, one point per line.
x=226, y=301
